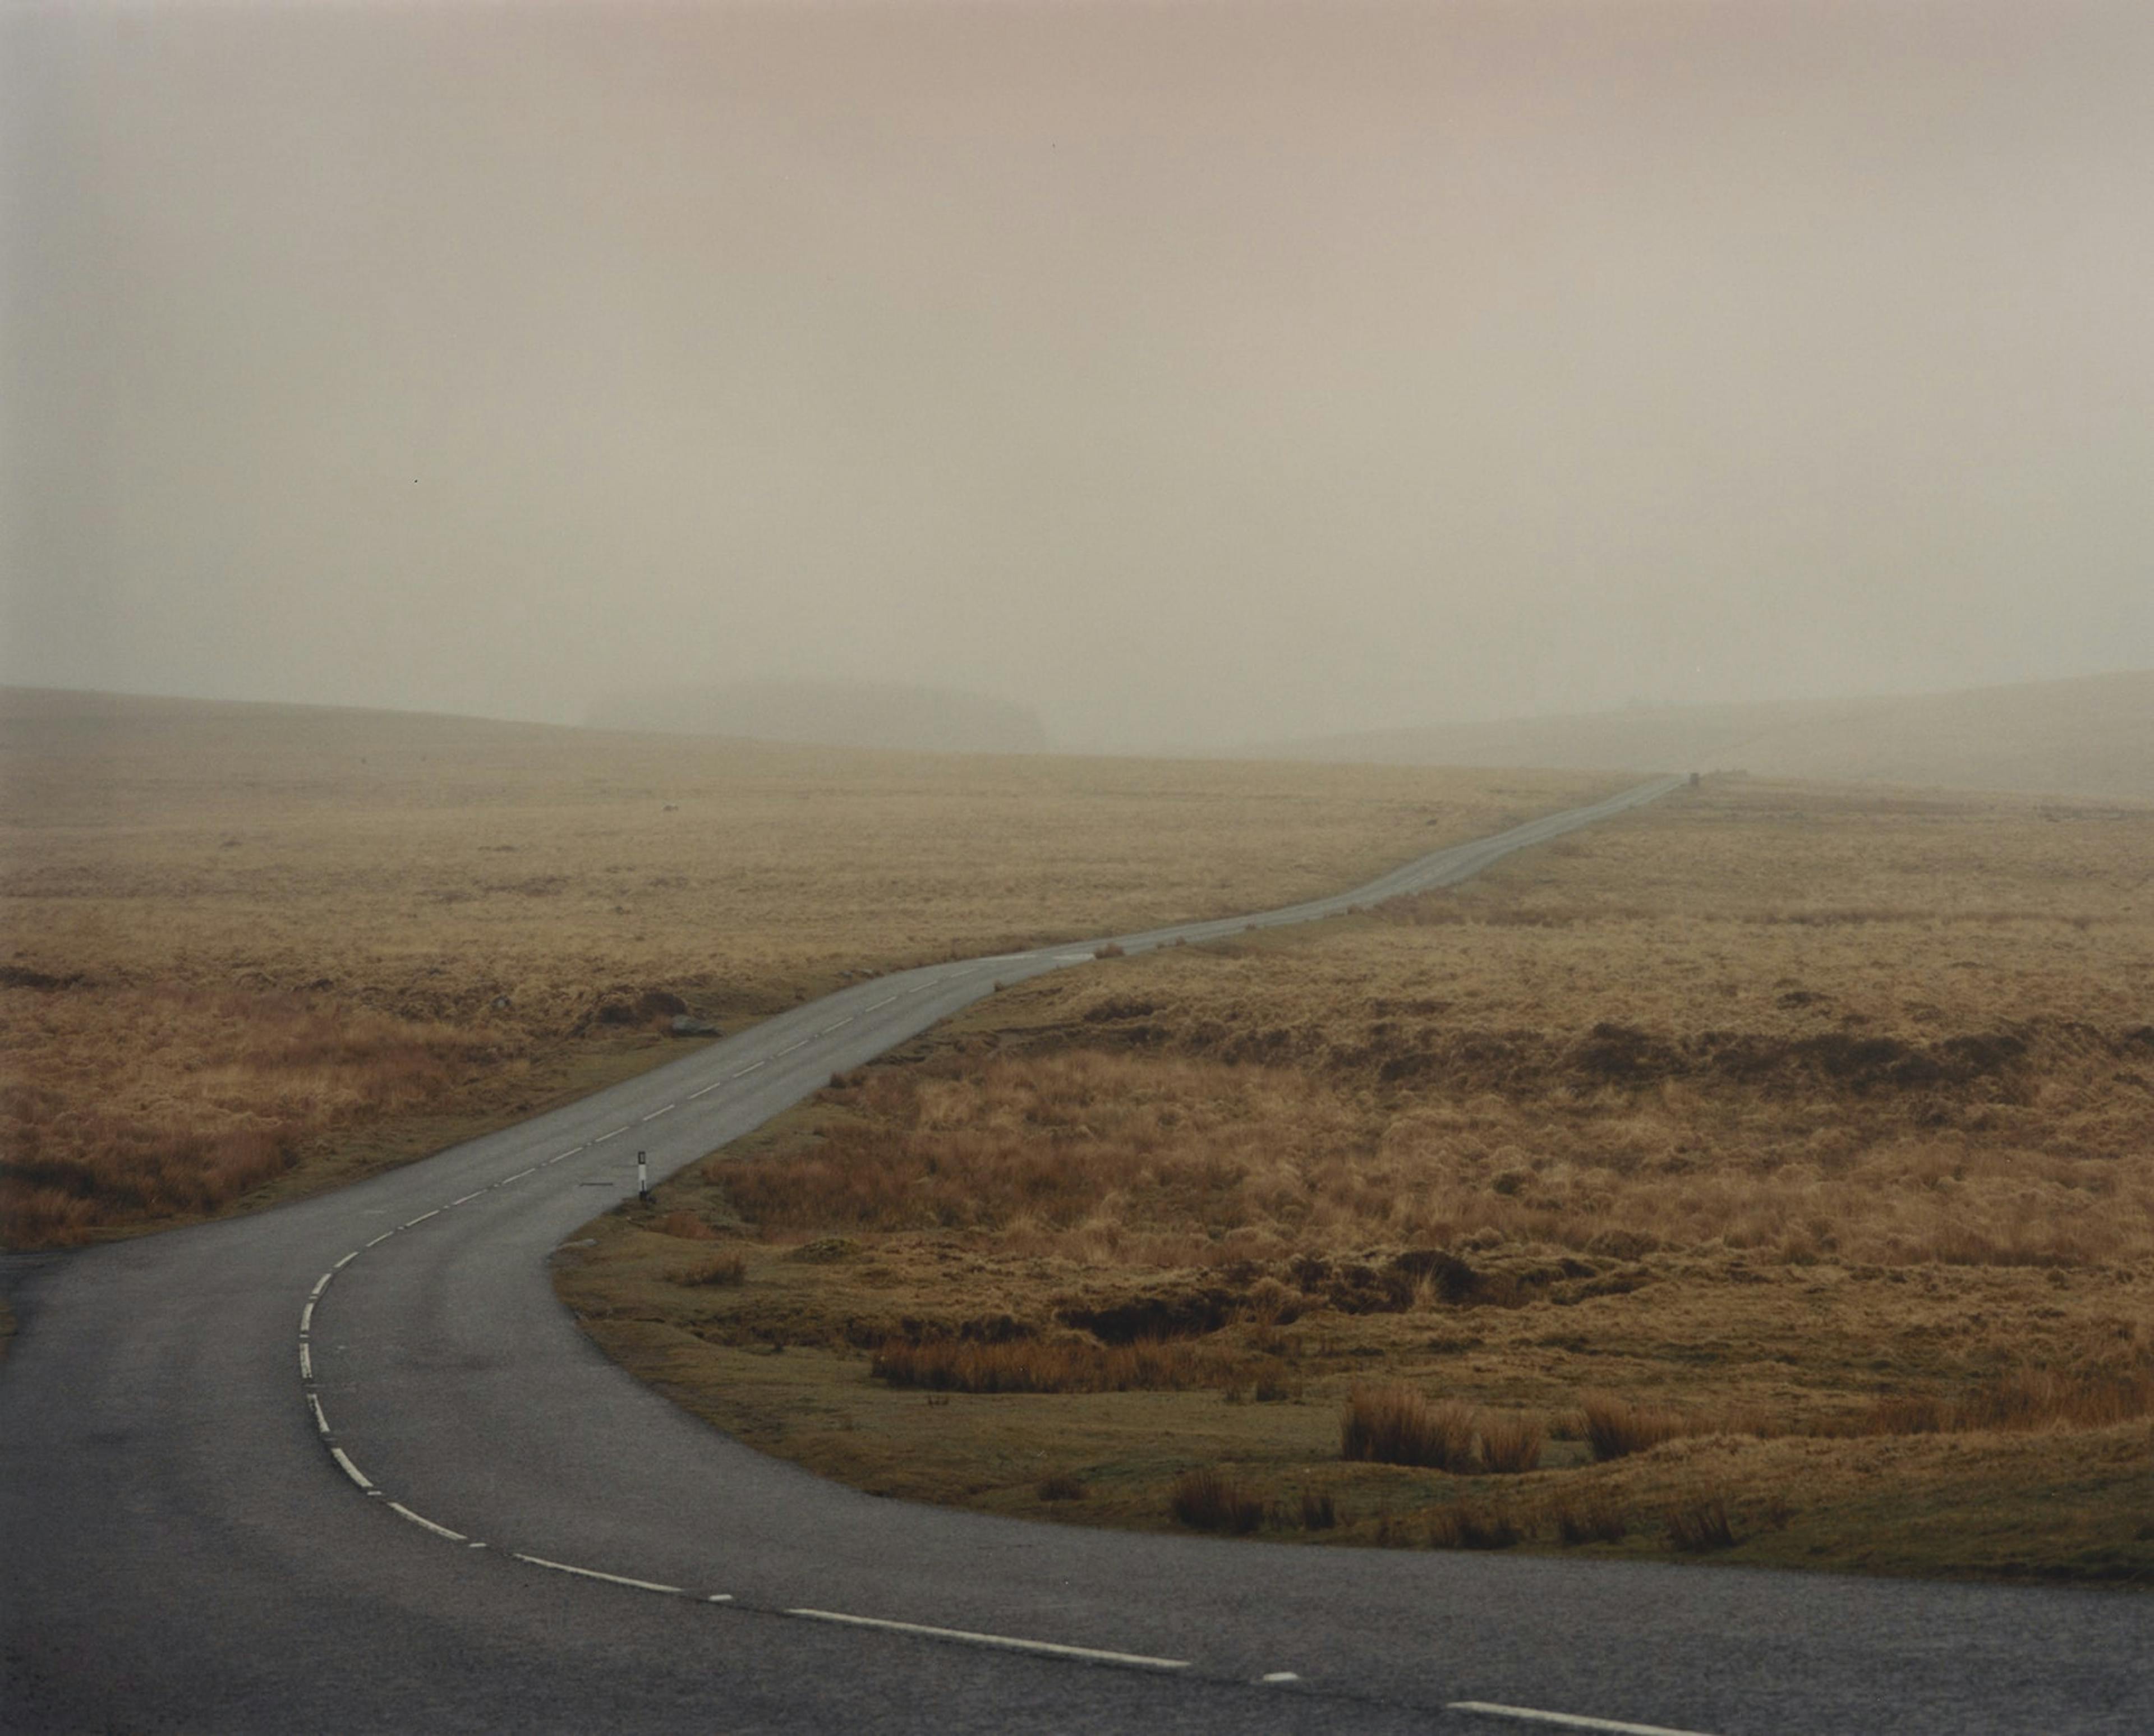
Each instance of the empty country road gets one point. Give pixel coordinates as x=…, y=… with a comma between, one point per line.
x=349, y=1466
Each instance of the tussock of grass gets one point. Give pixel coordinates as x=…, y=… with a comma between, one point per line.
x=2021, y=1399
x=1027, y=1365
x=722, y=1271
x=1616, y=1428
x=1511, y=1442
x=1062, y=1486
x=1471, y=1525
x=1588, y=1517
x=1700, y=1523
x=1396, y=1425
x=1209, y=1499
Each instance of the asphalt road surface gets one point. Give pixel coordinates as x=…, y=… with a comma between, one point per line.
x=349, y=1466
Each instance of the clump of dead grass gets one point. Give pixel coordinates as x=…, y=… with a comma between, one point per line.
x=1474, y=1525
x=1583, y=1517
x=1616, y=1427
x=958, y=1364
x=722, y=1271
x=1209, y=1499
x=1698, y=1522
x=1511, y=1441
x=1395, y=1424
x=2024, y=1399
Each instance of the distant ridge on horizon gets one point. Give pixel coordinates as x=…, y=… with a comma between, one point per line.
x=2086, y=735
x=831, y=714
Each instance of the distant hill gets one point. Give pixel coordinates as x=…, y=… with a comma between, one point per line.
x=927, y=720
x=2090, y=736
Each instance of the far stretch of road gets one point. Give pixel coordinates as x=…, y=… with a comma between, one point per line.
x=349, y=1466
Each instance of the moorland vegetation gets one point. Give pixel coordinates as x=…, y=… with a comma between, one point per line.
x=1766, y=1175
x=252, y=949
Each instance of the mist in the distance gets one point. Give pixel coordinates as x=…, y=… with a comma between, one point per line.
x=1193, y=375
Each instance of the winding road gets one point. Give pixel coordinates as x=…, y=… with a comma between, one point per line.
x=349, y=1466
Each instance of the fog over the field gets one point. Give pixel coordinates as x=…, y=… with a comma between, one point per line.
x=1194, y=373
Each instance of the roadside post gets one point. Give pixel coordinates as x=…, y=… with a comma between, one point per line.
x=642, y=1176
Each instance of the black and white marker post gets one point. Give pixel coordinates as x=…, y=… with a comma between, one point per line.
x=642, y=1176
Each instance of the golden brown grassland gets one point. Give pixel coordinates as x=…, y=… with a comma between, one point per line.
x=255, y=949
x=1768, y=1176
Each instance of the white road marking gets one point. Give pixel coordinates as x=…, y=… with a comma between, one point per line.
x=790, y=1047
x=518, y=1176
x=719, y=1597
x=321, y=1284
x=306, y=1362
x=351, y=1470
x=840, y=1024
x=655, y=1113
x=413, y=1224
x=321, y=1422
x=438, y=1530
x=604, y=1137
x=380, y=1239
x=345, y=1261
x=1280, y=1676
x=874, y=1006
x=468, y=1198
x=705, y=1091
x=1002, y=1642
x=307, y=1319
x=592, y=1573
x=1563, y=1720
x=745, y=1071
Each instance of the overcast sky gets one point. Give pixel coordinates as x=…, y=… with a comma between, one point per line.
x=1195, y=373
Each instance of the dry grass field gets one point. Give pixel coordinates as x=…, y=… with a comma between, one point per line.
x=1766, y=1176
x=250, y=949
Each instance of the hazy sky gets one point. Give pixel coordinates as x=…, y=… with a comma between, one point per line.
x=1192, y=372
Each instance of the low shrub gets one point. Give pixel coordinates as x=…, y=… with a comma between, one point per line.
x=1318, y=1512
x=1062, y=1486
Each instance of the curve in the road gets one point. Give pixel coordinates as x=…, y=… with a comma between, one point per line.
x=177, y=1558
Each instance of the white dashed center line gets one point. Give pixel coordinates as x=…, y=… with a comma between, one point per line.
x=438, y=1530
x=1001, y=1642
x=1563, y=1720
x=655, y=1113
x=592, y=1573
x=351, y=1470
